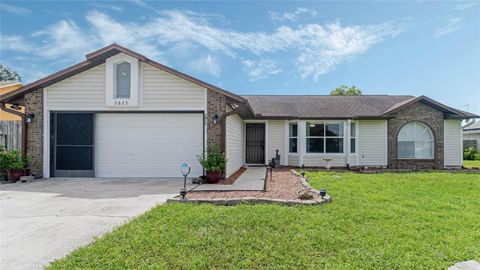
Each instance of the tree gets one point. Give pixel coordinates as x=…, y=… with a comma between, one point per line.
x=344, y=90
x=8, y=75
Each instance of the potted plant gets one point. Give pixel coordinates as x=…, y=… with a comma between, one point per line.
x=15, y=164
x=214, y=164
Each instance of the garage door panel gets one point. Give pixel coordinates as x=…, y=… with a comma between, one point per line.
x=147, y=145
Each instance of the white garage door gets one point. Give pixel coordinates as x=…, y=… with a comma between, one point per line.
x=147, y=145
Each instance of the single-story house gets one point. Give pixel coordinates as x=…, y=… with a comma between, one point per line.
x=471, y=135
x=121, y=114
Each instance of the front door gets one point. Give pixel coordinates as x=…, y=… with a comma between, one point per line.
x=255, y=143
x=72, y=144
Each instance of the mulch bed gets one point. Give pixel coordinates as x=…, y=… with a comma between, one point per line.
x=282, y=185
x=232, y=178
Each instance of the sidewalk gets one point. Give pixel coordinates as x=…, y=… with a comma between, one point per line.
x=253, y=179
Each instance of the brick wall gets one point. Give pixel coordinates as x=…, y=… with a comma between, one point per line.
x=34, y=104
x=216, y=105
x=430, y=117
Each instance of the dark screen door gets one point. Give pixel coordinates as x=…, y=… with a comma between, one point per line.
x=72, y=144
x=255, y=143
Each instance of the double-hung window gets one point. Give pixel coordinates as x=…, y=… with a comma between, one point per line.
x=293, y=138
x=324, y=137
x=353, y=138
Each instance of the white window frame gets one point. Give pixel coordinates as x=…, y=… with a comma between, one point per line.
x=110, y=84
x=432, y=142
x=324, y=137
x=116, y=80
x=293, y=137
x=353, y=137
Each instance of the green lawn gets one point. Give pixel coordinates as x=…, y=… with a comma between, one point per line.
x=471, y=163
x=376, y=221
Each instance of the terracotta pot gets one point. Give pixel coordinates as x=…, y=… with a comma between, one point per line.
x=13, y=175
x=213, y=177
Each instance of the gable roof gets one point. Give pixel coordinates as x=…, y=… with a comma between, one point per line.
x=449, y=111
x=98, y=57
x=339, y=107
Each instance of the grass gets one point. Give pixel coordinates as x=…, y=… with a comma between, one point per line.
x=471, y=163
x=376, y=221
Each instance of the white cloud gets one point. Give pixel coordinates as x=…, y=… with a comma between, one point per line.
x=311, y=50
x=64, y=38
x=452, y=25
x=464, y=6
x=140, y=3
x=206, y=64
x=14, y=43
x=292, y=16
x=261, y=69
x=14, y=9
x=108, y=6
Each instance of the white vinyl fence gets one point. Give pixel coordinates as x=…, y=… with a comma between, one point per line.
x=11, y=134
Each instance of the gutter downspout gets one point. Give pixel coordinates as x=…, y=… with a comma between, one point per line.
x=24, y=125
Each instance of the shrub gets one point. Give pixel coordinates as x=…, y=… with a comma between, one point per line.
x=213, y=161
x=12, y=159
x=471, y=154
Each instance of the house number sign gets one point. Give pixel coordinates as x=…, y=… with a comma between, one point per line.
x=120, y=102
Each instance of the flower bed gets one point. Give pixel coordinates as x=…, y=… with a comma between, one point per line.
x=283, y=187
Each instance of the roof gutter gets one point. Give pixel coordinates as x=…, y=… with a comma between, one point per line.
x=24, y=125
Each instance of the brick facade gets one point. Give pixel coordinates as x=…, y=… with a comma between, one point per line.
x=34, y=104
x=428, y=116
x=216, y=105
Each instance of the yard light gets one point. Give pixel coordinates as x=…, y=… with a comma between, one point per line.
x=185, y=168
x=215, y=119
x=323, y=192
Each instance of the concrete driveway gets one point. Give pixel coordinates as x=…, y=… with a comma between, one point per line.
x=45, y=220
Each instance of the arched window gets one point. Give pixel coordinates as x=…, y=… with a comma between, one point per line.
x=415, y=141
x=123, y=80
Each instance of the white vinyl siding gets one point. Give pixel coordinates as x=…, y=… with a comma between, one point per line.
x=147, y=145
x=167, y=91
x=453, y=149
x=293, y=160
x=318, y=160
x=276, y=139
x=235, y=140
x=159, y=90
x=83, y=92
x=372, y=142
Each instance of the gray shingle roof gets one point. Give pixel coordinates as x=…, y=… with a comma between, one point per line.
x=475, y=125
x=293, y=106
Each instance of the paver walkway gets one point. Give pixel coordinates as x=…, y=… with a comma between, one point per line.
x=253, y=179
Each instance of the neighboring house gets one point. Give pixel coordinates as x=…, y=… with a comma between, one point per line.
x=120, y=114
x=10, y=125
x=471, y=135
x=5, y=88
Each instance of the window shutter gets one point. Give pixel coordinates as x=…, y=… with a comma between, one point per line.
x=123, y=80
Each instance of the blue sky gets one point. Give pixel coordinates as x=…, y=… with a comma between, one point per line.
x=412, y=48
